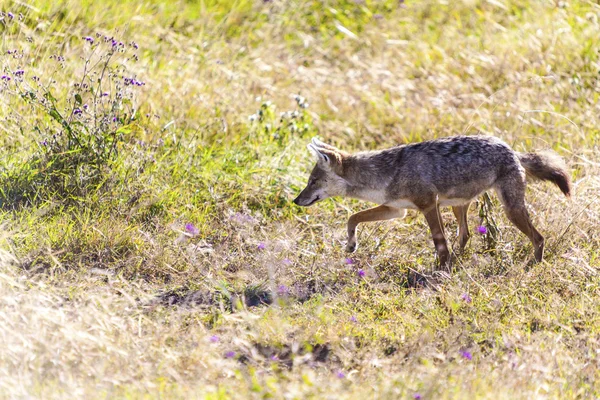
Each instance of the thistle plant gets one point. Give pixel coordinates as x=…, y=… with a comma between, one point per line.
x=80, y=128
x=488, y=227
x=295, y=122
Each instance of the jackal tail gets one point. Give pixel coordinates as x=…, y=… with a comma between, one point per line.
x=547, y=166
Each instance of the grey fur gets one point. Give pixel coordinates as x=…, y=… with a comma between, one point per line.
x=450, y=171
x=547, y=166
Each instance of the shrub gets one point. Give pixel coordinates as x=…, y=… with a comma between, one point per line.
x=81, y=132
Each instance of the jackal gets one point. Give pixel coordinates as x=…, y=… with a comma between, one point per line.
x=444, y=172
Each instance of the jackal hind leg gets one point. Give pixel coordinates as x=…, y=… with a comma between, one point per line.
x=460, y=212
x=512, y=196
x=436, y=225
x=380, y=213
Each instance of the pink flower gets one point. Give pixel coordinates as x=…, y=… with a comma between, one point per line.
x=190, y=228
x=230, y=354
x=482, y=229
x=282, y=290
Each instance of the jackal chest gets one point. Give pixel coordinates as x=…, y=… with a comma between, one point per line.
x=372, y=195
x=401, y=203
x=453, y=202
x=382, y=198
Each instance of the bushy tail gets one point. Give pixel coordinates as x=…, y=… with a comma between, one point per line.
x=547, y=166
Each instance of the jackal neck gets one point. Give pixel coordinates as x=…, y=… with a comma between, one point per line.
x=368, y=174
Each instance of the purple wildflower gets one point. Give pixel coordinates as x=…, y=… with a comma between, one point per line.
x=77, y=111
x=287, y=261
x=19, y=72
x=104, y=94
x=5, y=78
x=274, y=357
x=482, y=229
x=44, y=143
x=417, y=396
x=134, y=45
x=467, y=355
x=132, y=82
x=190, y=228
x=230, y=354
x=89, y=39
x=353, y=319
x=214, y=339
x=85, y=106
x=361, y=273
x=466, y=297
x=242, y=218
x=10, y=15
x=340, y=374
x=282, y=290
x=261, y=246
x=349, y=261
x=115, y=119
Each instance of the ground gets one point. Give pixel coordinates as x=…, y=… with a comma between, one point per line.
x=150, y=248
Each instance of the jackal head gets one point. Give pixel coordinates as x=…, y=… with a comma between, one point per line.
x=325, y=179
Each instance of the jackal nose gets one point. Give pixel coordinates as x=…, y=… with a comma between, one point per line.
x=296, y=201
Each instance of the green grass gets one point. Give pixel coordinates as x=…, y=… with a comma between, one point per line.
x=103, y=295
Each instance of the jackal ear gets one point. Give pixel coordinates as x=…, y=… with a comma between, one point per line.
x=326, y=157
x=319, y=155
x=318, y=144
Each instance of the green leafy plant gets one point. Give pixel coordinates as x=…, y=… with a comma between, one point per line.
x=80, y=132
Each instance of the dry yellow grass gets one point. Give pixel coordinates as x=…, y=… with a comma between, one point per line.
x=104, y=294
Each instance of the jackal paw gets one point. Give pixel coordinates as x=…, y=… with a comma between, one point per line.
x=351, y=247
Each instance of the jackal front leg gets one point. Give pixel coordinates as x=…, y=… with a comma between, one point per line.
x=460, y=212
x=436, y=225
x=373, y=214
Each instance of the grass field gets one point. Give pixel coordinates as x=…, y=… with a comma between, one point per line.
x=149, y=155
